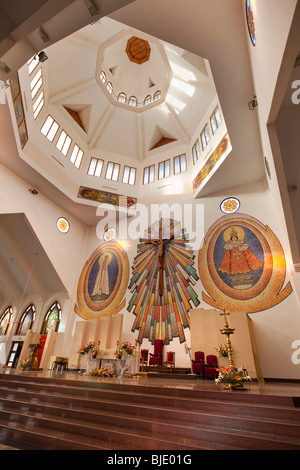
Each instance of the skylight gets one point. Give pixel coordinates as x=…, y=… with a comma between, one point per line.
x=182, y=73
x=177, y=104
x=183, y=86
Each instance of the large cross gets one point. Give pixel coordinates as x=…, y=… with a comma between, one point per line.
x=159, y=242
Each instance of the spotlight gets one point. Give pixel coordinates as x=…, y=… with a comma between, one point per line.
x=253, y=103
x=34, y=191
x=42, y=56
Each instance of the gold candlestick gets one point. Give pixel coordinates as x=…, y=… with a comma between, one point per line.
x=227, y=331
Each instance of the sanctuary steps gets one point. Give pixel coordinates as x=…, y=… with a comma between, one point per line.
x=63, y=414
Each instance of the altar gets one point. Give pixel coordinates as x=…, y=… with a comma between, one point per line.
x=107, y=358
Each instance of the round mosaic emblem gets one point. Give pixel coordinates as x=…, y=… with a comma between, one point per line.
x=250, y=22
x=103, y=282
x=63, y=225
x=230, y=205
x=109, y=234
x=242, y=265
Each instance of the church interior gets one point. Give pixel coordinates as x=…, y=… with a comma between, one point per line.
x=149, y=231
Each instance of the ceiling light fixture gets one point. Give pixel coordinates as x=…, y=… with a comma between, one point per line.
x=42, y=56
x=34, y=191
x=253, y=103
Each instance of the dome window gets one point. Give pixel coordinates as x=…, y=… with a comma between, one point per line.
x=122, y=97
x=132, y=101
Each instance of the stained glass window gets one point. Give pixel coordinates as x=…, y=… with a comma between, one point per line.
x=26, y=321
x=52, y=318
x=5, y=321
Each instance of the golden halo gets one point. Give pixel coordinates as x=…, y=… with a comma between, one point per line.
x=101, y=258
x=239, y=232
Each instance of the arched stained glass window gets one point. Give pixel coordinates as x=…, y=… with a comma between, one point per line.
x=52, y=319
x=5, y=321
x=147, y=100
x=26, y=320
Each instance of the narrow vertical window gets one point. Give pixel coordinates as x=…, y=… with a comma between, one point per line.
x=164, y=169
x=129, y=175
x=50, y=128
x=149, y=173
x=36, y=83
x=63, y=143
x=205, y=137
x=76, y=156
x=95, y=167
x=196, y=151
x=38, y=104
x=179, y=164
x=32, y=64
x=215, y=120
x=112, y=171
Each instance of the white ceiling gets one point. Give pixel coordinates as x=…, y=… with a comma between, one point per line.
x=214, y=31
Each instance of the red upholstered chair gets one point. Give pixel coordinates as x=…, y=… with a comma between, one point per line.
x=156, y=359
x=144, y=358
x=170, y=362
x=198, y=363
x=210, y=368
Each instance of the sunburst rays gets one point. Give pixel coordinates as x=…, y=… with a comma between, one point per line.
x=163, y=316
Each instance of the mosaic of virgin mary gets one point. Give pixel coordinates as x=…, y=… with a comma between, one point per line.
x=103, y=282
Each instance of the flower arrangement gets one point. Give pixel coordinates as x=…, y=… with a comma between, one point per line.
x=94, y=353
x=86, y=349
x=118, y=354
x=26, y=364
x=223, y=350
x=232, y=376
x=127, y=347
x=102, y=372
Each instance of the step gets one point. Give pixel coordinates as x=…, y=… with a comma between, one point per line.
x=143, y=417
x=174, y=426
x=167, y=403
x=171, y=422
x=107, y=384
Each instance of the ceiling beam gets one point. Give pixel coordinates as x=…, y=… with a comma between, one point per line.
x=102, y=123
x=178, y=124
x=71, y=91
x=140, y=137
